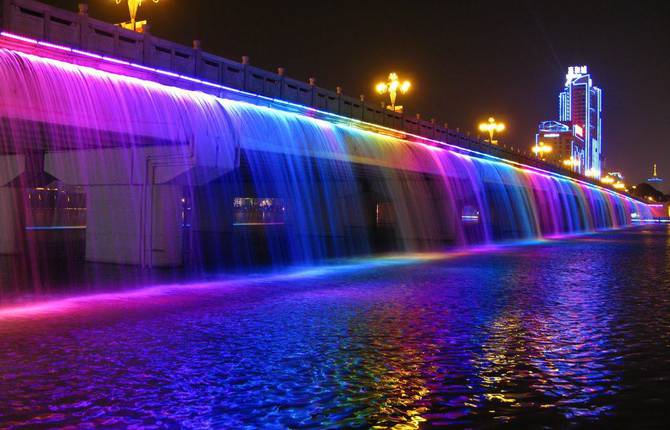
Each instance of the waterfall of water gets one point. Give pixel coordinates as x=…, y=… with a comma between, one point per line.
x=110, y=168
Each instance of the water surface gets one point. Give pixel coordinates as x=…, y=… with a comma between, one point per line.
x=553, y=334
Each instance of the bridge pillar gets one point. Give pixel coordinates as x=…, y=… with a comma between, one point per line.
x=135, y=224
x=133, y=202
x=136, y=200
x=9, y=221
x=11, y=166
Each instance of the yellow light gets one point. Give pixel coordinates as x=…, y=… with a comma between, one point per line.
x=607, y=180
x=392, y=87
x=133, y=5
x=542, y=148
x=491, y=127
x=381, y=88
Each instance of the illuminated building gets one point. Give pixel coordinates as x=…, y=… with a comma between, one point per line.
x=567, y=146
x=654, y=179
x=580, y=104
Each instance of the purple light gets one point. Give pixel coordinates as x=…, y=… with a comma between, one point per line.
x=339, y=119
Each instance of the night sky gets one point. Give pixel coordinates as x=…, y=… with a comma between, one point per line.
x=466, y=59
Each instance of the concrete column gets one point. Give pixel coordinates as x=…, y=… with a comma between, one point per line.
x=197, y=57
x=9, y=221
x=134, y=224
x=4, y=15
x=11, y=166
x=83, y=26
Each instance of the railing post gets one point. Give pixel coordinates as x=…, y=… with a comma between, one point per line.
x=245, y=64
x=312, y=84
x=197, y=57
x=338, y=89
x=4, y=17
x=281, y=71
x=147, y=45
x=83, y=26
x=47, y=25
x=362, y=97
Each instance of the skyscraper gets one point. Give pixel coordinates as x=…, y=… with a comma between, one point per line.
x=580, y=104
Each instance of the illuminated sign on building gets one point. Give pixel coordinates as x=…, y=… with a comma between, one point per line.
x=575, y=72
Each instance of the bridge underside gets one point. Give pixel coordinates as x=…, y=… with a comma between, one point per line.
x=154, y=175
x=204, y=216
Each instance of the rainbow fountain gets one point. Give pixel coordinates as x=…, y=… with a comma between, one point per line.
x=179, y=249
x=108, y=161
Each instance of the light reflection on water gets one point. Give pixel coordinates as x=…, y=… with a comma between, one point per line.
x=573, y=332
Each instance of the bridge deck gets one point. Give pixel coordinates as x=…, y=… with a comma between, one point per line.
x=55, y=33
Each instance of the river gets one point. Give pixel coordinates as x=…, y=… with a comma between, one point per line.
x=555, y=333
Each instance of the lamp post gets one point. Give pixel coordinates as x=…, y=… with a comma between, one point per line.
x=392, y=88
x=541, y=150
x=133, y=5
x=491, y=127
x=572, y=163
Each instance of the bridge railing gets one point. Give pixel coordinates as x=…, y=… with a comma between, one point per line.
x=77, y=30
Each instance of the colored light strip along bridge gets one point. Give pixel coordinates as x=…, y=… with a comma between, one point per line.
x=56, y=28
x=72, y=111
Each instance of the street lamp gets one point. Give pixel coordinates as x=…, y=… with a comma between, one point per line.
x=133, y=5
x=492, y=127
x=541, y=150
x=392, y=87
x=572, y=163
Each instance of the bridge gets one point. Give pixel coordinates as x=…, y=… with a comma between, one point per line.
x=161, y=154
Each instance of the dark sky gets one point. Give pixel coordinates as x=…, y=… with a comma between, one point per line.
x=467, y=59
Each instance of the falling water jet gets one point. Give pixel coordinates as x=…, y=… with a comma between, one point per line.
x=172, y=177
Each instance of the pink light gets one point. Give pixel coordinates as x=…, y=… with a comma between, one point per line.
x=167, y=292
x=141, y=67
x=422, y=140
x=16, y=37
x=115, y=61
x=88, y=54
x=51, y=45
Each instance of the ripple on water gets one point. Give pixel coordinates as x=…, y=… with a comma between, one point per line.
x=556, y=334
